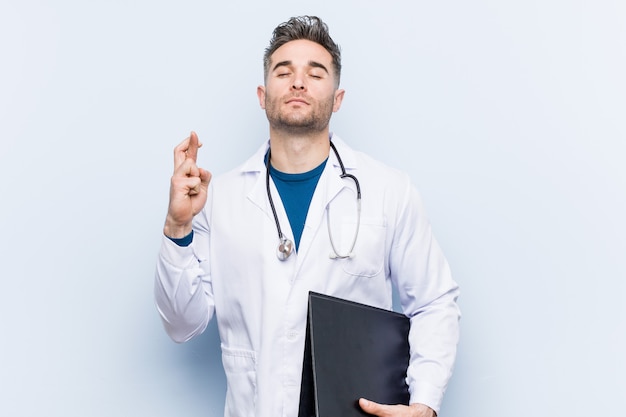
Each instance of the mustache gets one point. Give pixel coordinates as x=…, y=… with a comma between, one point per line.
x=296, y=95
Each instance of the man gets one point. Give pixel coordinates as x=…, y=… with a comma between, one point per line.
x=252, y=244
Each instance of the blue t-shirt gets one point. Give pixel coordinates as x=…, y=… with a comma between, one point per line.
x=296, y=192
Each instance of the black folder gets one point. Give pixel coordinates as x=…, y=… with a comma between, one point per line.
x=352, y=350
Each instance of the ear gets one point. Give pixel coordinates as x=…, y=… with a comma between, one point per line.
x=260, y=92
x=338, y=99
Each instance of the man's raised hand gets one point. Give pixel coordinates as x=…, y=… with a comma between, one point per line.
x=188, y=188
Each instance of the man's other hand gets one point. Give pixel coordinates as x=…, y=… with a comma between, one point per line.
x=382, y=410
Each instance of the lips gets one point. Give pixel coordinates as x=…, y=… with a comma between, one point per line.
x=297, y=100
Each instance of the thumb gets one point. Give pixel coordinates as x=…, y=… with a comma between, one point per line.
x=372, y=407
x=205, y=176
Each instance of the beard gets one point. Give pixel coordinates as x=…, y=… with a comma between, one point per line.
x=314, y=118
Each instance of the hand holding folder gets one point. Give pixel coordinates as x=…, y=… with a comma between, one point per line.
x=352, y=351
x=398, y=410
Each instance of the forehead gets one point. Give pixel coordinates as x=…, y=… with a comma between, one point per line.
x=301, y=52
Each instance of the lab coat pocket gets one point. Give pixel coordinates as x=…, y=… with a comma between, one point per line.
x=369, y=250
x=240, y=369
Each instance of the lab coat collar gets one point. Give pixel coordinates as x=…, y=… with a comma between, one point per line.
x=255, y=165
x=329, y=186
x=345, y=152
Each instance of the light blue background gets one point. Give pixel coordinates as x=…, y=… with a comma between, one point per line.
x=508, y=115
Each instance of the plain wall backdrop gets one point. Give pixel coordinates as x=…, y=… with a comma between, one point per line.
x=508, y=115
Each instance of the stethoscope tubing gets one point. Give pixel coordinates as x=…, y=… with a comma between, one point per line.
x=285, y=245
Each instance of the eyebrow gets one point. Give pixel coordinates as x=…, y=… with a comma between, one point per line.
x=313, y=64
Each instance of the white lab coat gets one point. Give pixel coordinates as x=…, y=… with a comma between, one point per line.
x=231, y=270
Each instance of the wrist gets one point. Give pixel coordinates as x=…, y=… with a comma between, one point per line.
x=423, y=410
x=176, y=231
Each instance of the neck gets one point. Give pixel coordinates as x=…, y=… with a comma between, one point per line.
x=294, y=154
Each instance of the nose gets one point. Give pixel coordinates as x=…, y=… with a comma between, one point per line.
x=298, y=83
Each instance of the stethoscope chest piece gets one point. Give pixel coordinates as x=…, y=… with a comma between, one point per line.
x=285, y=247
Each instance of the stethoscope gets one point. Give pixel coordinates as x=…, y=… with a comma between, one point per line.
x=285, y=246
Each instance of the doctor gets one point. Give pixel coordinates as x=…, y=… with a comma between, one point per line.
x=249, y=245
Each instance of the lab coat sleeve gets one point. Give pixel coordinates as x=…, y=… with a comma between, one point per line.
x=183, y=289
x=428, y=297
